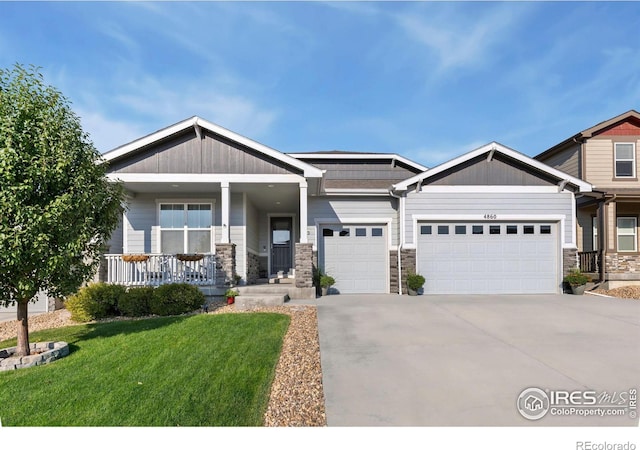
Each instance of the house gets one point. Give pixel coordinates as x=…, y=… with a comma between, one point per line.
x=606, y=156
x=195, y=187
x=205, y=204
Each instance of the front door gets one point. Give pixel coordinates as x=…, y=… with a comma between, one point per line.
x=281, y=244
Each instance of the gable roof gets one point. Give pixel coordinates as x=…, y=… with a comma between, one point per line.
x=589, y=132
x=491, y=148
x=341, y=154
x=199, y=123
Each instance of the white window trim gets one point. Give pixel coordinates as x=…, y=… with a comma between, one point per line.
x=185, y=229
x=616, y=159
x=635, y=234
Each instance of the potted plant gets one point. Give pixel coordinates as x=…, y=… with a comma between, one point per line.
x=231, y=295
x=577, y=280
x=326, y=282
x=414, y=283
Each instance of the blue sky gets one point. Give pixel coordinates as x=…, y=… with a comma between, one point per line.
x=428, y=80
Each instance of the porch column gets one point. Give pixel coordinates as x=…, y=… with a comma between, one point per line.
x=224, y=185
x=303, y=212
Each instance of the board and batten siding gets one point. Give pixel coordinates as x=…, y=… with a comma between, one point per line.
x=480, y=171
x=347, y=208
x=465, y=203
x=567, y=160
x=186, y=153
x=599, y=163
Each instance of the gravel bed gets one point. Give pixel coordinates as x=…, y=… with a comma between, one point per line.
x=297, y=397
x=629, y=292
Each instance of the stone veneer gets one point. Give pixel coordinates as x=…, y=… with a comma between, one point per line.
x=620, y=263
x=569, y=260
x=253, y=268
x=226, y=255
x=408, y=261
x=304, y=265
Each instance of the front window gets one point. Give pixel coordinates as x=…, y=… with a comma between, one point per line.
x=594, y=227
x=626, y=231
x=625, y=155
x=185, y=227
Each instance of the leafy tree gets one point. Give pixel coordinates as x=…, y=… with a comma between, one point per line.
x=57, y=208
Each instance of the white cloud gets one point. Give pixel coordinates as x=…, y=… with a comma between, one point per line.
x=106, y=133
x=171, y=101
x=457, y=38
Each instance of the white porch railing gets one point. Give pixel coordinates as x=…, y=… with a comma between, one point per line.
x=156, y=269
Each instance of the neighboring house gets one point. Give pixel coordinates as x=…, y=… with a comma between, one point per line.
x=605, y=155
x=490, y=221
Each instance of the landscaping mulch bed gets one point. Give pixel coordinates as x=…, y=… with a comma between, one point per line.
x=629, y=292
x=297, y=396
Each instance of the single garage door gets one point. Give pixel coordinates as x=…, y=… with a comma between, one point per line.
x=488, y=257
x=39, y=306
x=356, y=256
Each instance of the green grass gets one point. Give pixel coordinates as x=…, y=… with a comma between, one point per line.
x=203, y=370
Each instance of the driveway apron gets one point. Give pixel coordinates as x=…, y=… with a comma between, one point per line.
x=391, y=360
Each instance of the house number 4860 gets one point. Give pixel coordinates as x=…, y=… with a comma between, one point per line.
x=491, y=216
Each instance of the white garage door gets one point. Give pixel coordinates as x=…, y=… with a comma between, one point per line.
x=356, y=256
x=488, y=257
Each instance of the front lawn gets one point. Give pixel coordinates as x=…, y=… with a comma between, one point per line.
x=203, y=370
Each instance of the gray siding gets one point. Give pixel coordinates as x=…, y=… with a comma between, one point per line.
x=252, y=227
x=141, y=217
x=567, y=160
x=344, y=208
x=115, y=241
x=236, y=234
x=142, y=214
x=186, y=153
x=492, y=203
x=365, y=174
x=498, y=171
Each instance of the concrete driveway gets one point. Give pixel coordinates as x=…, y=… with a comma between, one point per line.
x=464, y=360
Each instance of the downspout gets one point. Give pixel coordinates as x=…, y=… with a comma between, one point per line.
x=604, y=238
x=401, y=237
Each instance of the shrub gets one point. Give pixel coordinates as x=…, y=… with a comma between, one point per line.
x=576, y=278
x=415, y=281
x=95, y=301
x=136, y=302
x=327, y=281
x=178, y=298
x=82, y=306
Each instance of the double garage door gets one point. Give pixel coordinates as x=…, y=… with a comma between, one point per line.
x=356, y=256
x=488, y=257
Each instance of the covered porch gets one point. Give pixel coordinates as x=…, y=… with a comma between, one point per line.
x=609, y=230
x=232, y=230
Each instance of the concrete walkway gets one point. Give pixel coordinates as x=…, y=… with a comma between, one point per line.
x=463, y=360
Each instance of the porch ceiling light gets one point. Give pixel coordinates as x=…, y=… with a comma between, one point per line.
x=175, y=185
x=270, y=185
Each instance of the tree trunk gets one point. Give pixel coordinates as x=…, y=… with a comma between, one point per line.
x=22, y=348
